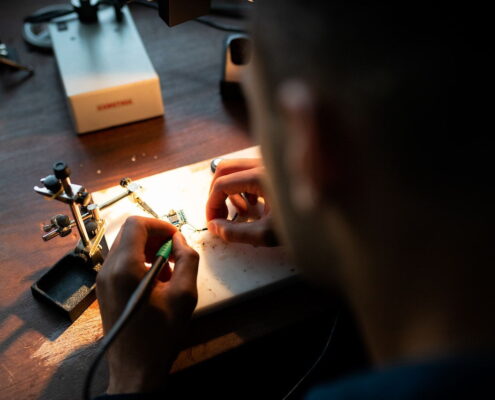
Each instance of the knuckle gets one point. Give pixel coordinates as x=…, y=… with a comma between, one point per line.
x=191, y=254
x=226, y=165
x=221, y=167
x=225, y=232
x=188, y=254
x=185, y=298
x=133, y=222
x=219, y=184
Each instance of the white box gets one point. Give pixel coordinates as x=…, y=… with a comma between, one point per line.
x=107, y=75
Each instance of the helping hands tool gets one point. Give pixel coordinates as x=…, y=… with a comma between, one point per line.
x=69, y=285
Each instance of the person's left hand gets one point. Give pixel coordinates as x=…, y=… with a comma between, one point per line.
x=240, y=180
x=143, y=353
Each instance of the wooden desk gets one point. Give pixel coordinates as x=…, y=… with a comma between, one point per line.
x=41, y=355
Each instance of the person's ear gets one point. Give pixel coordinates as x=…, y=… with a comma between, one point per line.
x=308, y=164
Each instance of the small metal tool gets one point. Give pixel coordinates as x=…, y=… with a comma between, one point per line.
x=69, y=285
x=132, y=188
x=8, y=59
x=214, y=164
x=59, y=187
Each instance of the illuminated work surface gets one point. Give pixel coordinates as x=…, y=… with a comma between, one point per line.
x=227, y=271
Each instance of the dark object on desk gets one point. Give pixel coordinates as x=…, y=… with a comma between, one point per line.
x=214, y=164
x=87, y=10
x=231, y=9
x=70, y=284
x=10, y=61
x=174, y=12
x=237, y=55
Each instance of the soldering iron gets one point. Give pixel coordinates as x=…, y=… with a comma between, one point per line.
x=136, y=299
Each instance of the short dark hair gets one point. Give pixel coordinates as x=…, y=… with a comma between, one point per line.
x=397, y=75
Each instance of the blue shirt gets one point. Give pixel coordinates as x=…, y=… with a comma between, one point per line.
x=468, y=377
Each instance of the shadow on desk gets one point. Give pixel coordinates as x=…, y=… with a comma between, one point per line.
x=32, y=316
x=262, y=363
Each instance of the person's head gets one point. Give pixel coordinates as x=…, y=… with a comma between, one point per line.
x=377, y=174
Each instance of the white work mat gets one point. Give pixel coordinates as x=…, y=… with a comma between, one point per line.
x=226, y=270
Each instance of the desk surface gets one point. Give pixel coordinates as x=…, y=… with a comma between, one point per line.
x=41, y=355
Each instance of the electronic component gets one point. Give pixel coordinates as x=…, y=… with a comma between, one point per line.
x=177, y=218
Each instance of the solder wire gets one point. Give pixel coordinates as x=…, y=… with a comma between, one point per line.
x=131, y=307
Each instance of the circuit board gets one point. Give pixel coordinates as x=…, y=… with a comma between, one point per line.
x=227, y=271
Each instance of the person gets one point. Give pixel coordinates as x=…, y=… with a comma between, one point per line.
x=375, y=172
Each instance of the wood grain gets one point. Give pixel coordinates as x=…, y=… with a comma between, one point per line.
x=41, y=355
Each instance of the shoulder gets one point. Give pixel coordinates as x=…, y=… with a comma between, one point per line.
x=454, y=378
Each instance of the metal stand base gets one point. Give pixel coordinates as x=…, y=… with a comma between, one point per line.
x=69, y=286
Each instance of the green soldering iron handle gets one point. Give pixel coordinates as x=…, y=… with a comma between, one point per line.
x=165, y=250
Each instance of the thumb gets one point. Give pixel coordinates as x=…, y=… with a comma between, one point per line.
x=186, y=263
x=257, y=233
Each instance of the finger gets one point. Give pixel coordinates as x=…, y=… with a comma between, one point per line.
x=122, y=261
x=257, y=233
x=142, y=237
x=116, y=242
x=239, y=203
x=227, y=167
x=165, y=273
x=139, y=239
x=252, y=198
x=243, y=181
x=136, y=243
x=186, y=264
x=267, y=207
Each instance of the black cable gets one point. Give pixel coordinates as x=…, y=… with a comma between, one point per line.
x=221, y=27
x=230, y=10
x=131, y=307
x=47, y=16
x=317, y=361
x=144, y=3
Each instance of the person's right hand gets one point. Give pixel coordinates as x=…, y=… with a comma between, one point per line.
x=240, y=181
x=140, y=358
